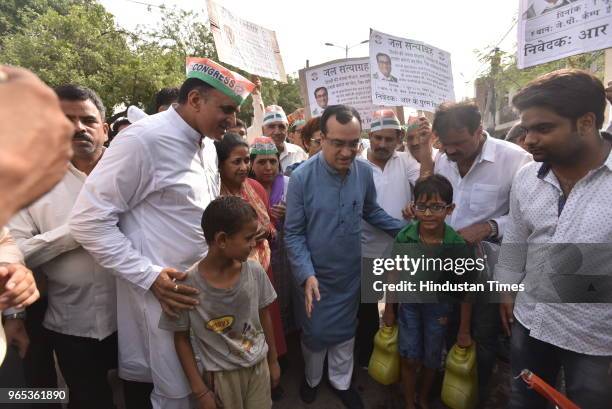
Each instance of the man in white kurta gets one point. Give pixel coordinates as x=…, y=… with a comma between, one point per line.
x=140, y=211
x=275, y=126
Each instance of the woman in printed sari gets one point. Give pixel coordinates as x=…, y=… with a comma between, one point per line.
x=234, y=161
x=265, y=168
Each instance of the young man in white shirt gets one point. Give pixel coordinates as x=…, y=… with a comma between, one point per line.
x=481, y=170
x=275, y=126
x=139, y=213
x=81, y=319
x=559, y=231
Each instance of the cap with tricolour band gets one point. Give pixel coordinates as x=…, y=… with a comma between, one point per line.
x=263, y=146
x=412, y=123
x=274, y=113
x=228, y=82
x=295, y=124
x=384, y=119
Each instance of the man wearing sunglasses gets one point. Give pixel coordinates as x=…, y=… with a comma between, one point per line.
x=327, y=199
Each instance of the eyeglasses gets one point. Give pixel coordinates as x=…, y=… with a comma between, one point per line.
x=435, y=208
x=338, y=144
x=316, y=141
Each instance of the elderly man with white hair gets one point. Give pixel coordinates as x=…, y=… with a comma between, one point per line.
x=275, y=125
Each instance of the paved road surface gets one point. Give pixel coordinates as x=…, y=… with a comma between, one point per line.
x=375, y=396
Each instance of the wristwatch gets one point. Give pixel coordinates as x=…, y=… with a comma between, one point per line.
x=494, y=229
x=21, y=315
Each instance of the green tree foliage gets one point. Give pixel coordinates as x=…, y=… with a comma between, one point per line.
x=84, y=47
x=274, y=93
x=80, y=47
x=505, y=75
x=184, y=33
x=15, y=13
x=181, y=34
x=77, y=41
x=289, y=95
x=503, y=78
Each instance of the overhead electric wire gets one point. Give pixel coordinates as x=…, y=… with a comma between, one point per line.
x=146, y=4
x=485, y=64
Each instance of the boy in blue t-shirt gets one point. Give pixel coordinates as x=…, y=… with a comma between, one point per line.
x=422, y=327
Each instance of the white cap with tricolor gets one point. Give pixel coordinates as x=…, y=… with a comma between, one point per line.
x=384, y=119
x=274, y=113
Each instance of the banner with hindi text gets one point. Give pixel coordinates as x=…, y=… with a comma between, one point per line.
x=549, y=30
x=409, y=73
x=244, y=44
x=344, y=81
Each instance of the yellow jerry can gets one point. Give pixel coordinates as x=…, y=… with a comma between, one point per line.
x=460, y=385
x=384, y=364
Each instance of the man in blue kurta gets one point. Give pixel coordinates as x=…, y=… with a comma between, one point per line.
x=327, y=198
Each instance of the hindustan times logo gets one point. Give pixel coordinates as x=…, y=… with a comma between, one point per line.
x=431, y=286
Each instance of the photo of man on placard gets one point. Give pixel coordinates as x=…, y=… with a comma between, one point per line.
x=384, y=67
x=540, y=7
x=322, y=98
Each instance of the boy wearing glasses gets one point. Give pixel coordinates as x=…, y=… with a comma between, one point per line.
x=422, y=327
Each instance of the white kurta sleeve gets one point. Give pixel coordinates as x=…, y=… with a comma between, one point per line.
x=414, y=172
x=38, y=248
x=121, y=180
x=9, y=252
x=255, y=130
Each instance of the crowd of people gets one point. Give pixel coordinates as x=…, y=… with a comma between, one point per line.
x=185, y=250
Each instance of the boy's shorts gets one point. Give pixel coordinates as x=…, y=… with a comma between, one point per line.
x=245, y=388
x=422, y=331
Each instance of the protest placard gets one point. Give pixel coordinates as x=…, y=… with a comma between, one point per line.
x=552, y=29
x=244, y=44
x=344, y=81
x=409, y=73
